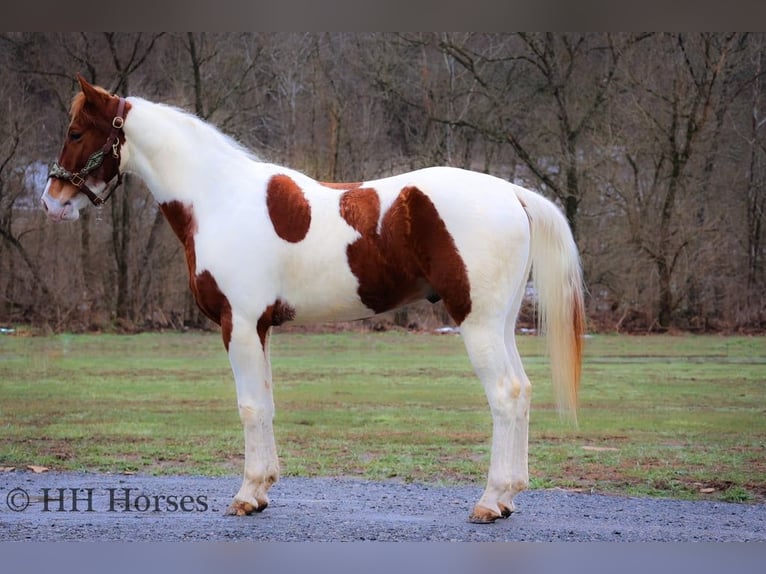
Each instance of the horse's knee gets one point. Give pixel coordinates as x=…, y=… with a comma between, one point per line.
x=252, y=414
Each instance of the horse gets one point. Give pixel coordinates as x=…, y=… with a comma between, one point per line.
x=267, y=245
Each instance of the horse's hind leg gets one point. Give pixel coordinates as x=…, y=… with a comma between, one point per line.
x=491, y=345
x=519, y=439
x=505, y=389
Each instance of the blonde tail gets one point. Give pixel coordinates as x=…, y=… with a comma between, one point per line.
x=557, y=279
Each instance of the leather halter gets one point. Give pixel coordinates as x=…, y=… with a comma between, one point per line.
x=95, y=160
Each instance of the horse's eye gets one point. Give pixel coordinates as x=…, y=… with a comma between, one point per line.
x=75, y=136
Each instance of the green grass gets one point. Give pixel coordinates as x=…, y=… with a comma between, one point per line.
x=678, y=416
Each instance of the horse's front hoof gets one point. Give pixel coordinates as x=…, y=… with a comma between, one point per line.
x=241, y=508
x=483, y=515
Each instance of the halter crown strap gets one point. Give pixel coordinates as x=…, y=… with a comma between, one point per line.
x=95, y=160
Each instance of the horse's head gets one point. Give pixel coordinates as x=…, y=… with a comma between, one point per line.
x=90, y=158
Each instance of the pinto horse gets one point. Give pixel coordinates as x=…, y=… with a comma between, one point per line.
x=267, y=245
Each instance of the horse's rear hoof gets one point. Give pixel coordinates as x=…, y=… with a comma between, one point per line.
x=240, y=508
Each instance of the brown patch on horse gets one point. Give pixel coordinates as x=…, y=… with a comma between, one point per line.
x=361, y=210
x=340, y=185
x=211, y=301
x=181, y=219
x=274, y=315
x=437, y=253
x=289, y=210
x=385, y=267
x=413, y=256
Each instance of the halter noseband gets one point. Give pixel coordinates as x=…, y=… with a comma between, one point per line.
x=94, y=161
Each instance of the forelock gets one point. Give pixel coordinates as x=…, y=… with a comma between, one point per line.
x=78, y=108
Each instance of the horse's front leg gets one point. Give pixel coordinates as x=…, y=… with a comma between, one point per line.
x=249, y=357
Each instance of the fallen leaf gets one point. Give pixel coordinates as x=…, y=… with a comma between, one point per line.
x=600, y=448
x=7, y=468
x=707, y=490
x=37, y=469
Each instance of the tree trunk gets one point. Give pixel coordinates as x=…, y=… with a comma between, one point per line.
x=121, y=241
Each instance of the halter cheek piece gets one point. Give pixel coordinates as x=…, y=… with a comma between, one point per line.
x=94, y=162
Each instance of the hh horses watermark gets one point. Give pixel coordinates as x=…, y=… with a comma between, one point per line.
x=121, y=499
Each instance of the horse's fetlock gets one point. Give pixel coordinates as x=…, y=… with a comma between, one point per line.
x=519, y=485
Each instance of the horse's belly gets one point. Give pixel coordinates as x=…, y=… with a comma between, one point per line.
x=316, y=281
x=307, y=315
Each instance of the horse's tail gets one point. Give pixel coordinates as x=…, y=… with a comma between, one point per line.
x=557, y=278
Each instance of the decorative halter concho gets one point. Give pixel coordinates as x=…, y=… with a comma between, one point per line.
x=95, y=160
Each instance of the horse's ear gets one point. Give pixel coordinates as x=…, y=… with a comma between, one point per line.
x=92, y=94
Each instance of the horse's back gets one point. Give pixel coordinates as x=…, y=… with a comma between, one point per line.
x=481, y=212
x=355, y=257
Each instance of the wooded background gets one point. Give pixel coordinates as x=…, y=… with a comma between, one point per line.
x=653, y=144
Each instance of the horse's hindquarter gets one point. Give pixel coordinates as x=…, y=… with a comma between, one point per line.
x=438, y=233
x=486, y=221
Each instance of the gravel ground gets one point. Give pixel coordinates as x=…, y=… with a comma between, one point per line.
x=175, y=508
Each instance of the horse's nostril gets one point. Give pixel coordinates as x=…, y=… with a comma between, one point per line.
x=45, y=205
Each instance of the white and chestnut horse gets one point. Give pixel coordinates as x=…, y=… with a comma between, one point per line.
x=266, y=245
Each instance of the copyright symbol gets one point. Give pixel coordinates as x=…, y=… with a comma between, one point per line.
x=17, y=500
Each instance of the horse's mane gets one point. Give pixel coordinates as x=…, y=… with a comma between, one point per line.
x=212, y=132
x=78, y=109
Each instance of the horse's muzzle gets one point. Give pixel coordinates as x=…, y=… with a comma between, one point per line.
x=57, y=210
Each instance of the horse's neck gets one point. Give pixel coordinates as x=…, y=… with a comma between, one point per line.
x=172, y=152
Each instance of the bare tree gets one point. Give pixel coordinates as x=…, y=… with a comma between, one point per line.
x=128, y=53
x=675, y=95
x=539, y=93
x=755, y=189
x=18, y=126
